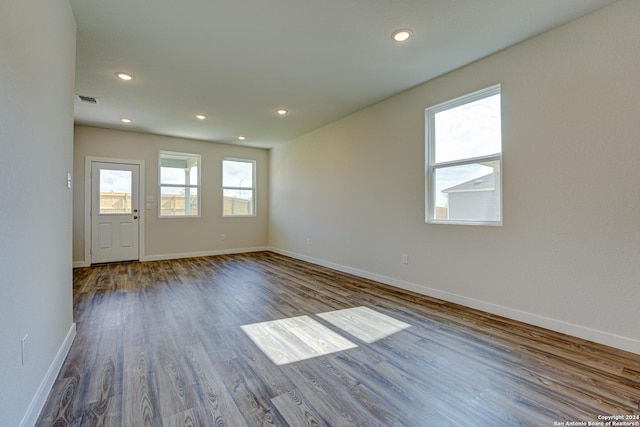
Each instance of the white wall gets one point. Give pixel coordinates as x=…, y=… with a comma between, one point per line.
x=567, y=254
x=37, y=63
x=174, y=237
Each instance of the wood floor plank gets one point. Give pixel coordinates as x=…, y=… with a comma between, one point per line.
x=339, y=390
x=141, y=403
x=338, y=408
x=296, y=411
x=161, y=344
x=216, y=398
x=247, y=392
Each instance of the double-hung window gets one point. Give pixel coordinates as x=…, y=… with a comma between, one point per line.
x=464, y=159
x=179, y=179
x=238, y=187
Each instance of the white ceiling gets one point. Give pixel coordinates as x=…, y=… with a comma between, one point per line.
x=237, y=61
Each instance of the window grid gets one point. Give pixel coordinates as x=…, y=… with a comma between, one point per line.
x=179, y=196
x=238, y=187
x=436, y=213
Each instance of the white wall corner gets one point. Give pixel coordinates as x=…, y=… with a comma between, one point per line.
x=40, y=398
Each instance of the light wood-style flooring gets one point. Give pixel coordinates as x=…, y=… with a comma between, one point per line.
x=163, y=344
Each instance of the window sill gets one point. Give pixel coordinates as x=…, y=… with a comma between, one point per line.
x=456, y=222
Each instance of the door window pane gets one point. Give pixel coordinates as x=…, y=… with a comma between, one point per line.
x=115, y=191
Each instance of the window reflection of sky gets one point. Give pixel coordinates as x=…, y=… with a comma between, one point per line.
x=115, y=181
x=464, y=132
x=469, y=130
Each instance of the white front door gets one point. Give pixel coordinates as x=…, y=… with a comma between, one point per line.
x=115, y=212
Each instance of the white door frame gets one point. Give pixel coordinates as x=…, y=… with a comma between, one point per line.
x=88, y=160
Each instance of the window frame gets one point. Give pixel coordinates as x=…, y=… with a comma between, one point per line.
x=432, y=166
x=253, y=189
x=185, y=186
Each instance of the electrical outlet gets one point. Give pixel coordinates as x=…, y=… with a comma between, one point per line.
x=25, y=349
x=405, y=259
x=308, y=240
x=223, y=237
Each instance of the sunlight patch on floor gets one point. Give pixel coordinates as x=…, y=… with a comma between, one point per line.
x=294, y=339
x=363, y=323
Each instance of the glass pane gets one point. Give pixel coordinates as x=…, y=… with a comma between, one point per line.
x=115, y=191
x=468, y=193
x=179, y=169
x=237, y=174
x=172, y=176
x=469, y=130
x=178, y=201
x=193, y=175
x=179, y=176
x=238, y=202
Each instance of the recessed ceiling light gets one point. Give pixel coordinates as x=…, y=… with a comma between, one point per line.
x=281, y=111
x=200, y=116
x=242, y=137
x=125, y=120
x=401, y=35
x=124, y=76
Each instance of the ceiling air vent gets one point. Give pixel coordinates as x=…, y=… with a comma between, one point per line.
x=88, y=99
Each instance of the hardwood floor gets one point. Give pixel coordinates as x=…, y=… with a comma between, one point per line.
x=161, y=344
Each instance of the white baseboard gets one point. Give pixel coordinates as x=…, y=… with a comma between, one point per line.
x=617, y=341
x=79, y=264
x=163, y=257
x=38, y=401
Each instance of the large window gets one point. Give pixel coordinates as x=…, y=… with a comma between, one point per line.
x=238, y=187
x=179, y=184
x=464, y=158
